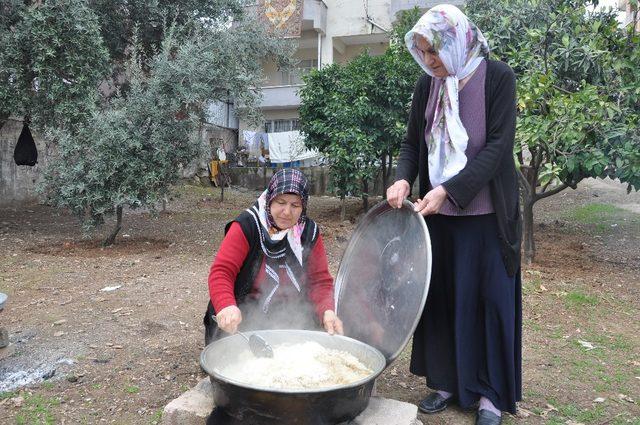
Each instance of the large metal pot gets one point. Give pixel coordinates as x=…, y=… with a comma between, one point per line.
x=258, y=405
x=381, y=288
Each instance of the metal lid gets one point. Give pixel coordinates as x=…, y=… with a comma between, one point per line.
x=383, y=278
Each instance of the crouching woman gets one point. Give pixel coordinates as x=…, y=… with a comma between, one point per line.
x=271, y=270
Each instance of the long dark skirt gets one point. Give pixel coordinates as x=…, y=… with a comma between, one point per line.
x=469, y=339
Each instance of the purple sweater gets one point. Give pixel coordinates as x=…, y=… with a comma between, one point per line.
x=472, y=115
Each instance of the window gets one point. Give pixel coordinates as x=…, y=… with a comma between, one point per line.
x=279, y=126
x=294, y=76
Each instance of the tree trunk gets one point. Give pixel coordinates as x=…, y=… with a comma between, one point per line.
x=112, y=237
x=527, y=233
x=3, y=119
x=365, y=195
x=343, y=207
x=389, y=169
x=385, y=176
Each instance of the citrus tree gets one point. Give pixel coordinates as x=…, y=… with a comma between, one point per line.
x=355, y=114
x=578, y=94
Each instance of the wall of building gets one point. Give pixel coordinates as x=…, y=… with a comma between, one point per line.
x=345, y=18
x=18, y=183
x=276, y=114
x=351, y=52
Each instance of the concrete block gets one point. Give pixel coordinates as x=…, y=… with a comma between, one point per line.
x=384, y=411
x=4, y=337
x=192, y=407
x=7, y=351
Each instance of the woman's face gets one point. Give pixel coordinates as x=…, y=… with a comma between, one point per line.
x=286, y=209
x=430, y=57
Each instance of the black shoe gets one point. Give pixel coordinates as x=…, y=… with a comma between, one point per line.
x=434, y=403
x=486, y=417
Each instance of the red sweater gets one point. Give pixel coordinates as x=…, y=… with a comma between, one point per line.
x=230, y=259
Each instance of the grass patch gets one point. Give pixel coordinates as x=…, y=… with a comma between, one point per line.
x=48, y=385
x=611, y=342
x=595, y=213
x=566, y=412
x=604, y=217
x=7, y=394
x=156, y=418
x=531, y=286
x=577, y=299
x=604, y=366
x=132, y=389
x=37, y=410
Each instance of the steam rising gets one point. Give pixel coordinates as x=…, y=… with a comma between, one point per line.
x=288, y=309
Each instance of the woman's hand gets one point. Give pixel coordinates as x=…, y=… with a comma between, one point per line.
x=397, y=193
x=332, y=324
x=229, y=318
x=432, y=201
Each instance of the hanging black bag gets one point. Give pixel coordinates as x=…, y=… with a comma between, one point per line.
x=26, y=152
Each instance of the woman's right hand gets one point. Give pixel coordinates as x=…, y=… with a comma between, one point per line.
x=229, y=318
x=397, y=193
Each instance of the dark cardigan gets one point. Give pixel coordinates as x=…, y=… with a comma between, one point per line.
x=494, y=165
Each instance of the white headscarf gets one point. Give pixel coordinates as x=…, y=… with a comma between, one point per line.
x=461, y=47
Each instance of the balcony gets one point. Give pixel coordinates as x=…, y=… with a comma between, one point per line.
x=397, y=6
x=314, y=16
x=280, y=97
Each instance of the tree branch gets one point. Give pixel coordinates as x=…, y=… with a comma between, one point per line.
x=561, y=89
x=553, y=191
x=523, y=182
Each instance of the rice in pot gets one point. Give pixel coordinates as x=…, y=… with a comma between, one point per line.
x=302, y=366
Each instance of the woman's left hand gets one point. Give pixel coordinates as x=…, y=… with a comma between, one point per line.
x=432, y=201
x=332, y=324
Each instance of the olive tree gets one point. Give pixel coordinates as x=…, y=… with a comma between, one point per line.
x=52, y=60
x=131, y=151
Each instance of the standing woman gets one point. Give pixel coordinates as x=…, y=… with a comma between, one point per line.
x=459, y=144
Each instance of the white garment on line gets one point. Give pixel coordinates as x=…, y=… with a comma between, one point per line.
x=288, y=146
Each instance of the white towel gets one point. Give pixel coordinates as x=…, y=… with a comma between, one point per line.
x=288, y=146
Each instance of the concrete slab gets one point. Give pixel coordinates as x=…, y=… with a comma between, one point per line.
x=7, y=351
x=384, y=411
x=4, y=337
x=194, y=406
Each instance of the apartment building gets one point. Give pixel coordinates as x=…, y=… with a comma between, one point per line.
x=628, y=14
x=330, y=31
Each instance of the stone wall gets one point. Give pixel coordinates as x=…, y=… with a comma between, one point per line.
x=257, y=178
x=18, y=183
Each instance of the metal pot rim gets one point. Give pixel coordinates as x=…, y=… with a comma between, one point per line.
x=217, y=376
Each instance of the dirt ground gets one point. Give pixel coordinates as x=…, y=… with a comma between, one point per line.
x=112, y=335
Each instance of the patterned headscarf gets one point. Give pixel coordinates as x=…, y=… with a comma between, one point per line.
x=461, y=47
x=286, y=180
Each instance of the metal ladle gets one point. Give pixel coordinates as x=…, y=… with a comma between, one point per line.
x=258, y=346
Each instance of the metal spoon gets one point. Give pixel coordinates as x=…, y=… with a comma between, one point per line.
x=258, y=346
